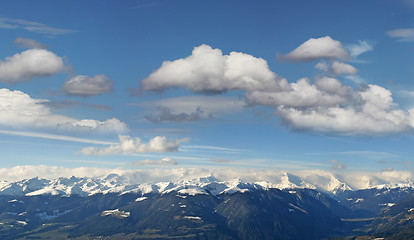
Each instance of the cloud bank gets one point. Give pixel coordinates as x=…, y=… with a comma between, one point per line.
x=31, y=26
x=19, y=110
x=322, y=105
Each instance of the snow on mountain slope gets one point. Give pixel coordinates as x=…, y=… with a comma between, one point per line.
x=201, y=181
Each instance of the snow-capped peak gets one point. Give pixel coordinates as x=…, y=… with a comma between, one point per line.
x=186, y=182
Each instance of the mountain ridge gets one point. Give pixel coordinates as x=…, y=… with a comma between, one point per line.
x=141, y=183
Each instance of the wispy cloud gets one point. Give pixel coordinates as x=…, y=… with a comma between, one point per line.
x=29, y=43
x=148, y=162
x=31, y=26
x=361, y=47
x=214, y=148
x=402, y=34
x=53, y=136
x=365, y=154
x=73, y=103
x=220, y=160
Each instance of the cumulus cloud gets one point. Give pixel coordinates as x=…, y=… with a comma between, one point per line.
x=302, y=94
x=29, y=64
x=371, y=112
x=165, y=115
x=31, y=26
x=317, y=48
x=29, y=43
x=324, y=105
x=207, y=70
x=128, y=145
x=148, y=162
x=19, y=110
x=86, y=86
x=402, y=34
x=337, y=68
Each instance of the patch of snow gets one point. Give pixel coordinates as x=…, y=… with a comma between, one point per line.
x=21, y=223
x=192, y=191
x=140, y=199
x=192, y=218
x=116, y=213
x=22, y=214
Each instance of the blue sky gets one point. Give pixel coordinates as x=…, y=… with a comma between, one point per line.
x=277, y=84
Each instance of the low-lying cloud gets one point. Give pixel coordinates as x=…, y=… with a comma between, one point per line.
x=19, y=110
x=161, y=162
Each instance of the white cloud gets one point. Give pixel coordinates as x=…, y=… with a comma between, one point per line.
x=215, y=148
x=326, y=92
x=29, y=43
x=11, y=23
x=402, y=34
x=86, y=86
x=148, y=162
x=337, y=68
x=29, y=64
x=323, y=106
x=128, y=146
x=372, y=113
x=317, y=48
x=19, y=110
x=207, y=70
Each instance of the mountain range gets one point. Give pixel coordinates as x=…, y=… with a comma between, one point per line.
x=138, y=205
